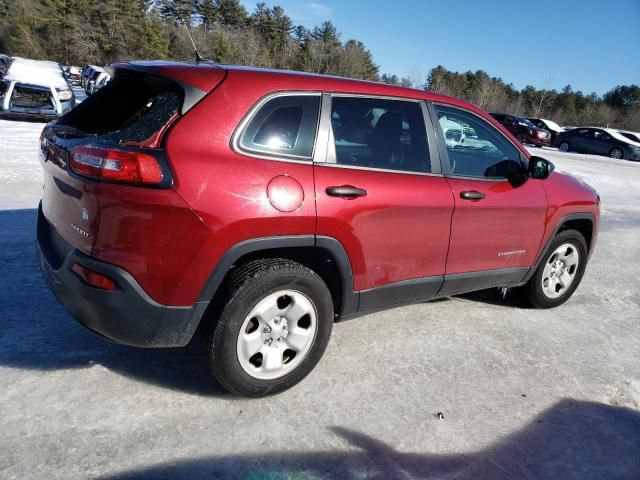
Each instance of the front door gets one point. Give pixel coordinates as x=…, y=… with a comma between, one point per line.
x=497, y=225
x=379, y=195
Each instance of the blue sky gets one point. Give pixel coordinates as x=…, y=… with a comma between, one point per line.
x=592, y=45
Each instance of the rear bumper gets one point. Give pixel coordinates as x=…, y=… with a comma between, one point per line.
x=128, y=316
x=538, y=141
x=28, y=114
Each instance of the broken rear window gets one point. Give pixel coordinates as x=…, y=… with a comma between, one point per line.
x=132, y=107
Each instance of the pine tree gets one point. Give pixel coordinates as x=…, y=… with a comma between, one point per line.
x=231, y=12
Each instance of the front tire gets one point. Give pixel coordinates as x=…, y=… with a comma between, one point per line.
x=616, y=153
x=564, y=147
x=560, y=271
x=273, y=328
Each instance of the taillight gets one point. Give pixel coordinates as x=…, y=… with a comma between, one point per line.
x=43, y=145
x=95, y=279
x=116, y=165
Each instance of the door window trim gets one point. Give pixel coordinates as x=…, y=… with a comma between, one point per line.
x=325, y=155
x=249, y=116
x=442, y=146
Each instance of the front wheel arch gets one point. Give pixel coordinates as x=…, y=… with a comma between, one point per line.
x=584, y=223
x=616, y=149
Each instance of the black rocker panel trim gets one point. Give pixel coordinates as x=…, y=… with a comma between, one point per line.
x=398, y=293
x=458, y=283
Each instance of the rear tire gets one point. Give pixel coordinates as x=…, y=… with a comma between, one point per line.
x=560, y=271
x=564, y=147
x=273, y=327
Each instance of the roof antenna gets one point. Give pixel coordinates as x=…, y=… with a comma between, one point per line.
x=199, y=58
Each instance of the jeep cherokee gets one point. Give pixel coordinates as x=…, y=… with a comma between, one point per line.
x=257, y=207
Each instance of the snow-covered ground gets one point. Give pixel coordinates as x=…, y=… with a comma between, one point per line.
x=523, y=393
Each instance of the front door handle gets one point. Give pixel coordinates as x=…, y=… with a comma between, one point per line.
x=346, y=191
x=472, y=195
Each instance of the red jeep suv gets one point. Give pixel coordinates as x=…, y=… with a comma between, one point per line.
x=257, y=207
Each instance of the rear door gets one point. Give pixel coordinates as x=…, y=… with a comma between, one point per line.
x=380, y=193
x=582, y=140
x=497, y=224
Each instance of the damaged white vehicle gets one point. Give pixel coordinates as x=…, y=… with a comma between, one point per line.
x=34, y=89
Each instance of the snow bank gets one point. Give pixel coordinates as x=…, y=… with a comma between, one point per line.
x=21, y=174
x=36, y=72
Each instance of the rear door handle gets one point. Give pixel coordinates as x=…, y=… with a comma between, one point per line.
x=346, y=191
x=472, y=195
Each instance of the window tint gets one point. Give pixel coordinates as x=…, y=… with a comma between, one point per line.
x=476, y=148
x=585, y=132
x=284, y=126
x=601, y=135
x=379, y=133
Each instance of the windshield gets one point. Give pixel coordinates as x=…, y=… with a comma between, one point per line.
x=631, y=136
x=554, y=125
x=526, y=122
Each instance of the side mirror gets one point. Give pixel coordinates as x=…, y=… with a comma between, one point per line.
x=540, y=168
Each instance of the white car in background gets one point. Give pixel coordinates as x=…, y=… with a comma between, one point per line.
x=35, y=89
x=453, y=132
x=633, y=136
x=100, y=81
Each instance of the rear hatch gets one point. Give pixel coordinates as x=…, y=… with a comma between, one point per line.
x=114, y=136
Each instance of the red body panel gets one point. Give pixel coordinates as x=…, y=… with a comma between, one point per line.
x=503, y=230
x=203, y=76
x=399, y=231
x=70, y=204
x=226, y=189
x=566, y=195
x=154, y=235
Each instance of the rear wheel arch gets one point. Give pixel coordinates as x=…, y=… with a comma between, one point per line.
x=324, y=255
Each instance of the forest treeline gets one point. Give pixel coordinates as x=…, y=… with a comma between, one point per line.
x=78, y=32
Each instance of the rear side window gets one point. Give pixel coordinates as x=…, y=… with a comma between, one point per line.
x=476, y=148
x=380, y=133
x=284, y=126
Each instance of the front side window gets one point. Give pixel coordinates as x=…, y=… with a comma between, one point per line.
x=284, y=126
x=475, y=148
x=380, y=134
